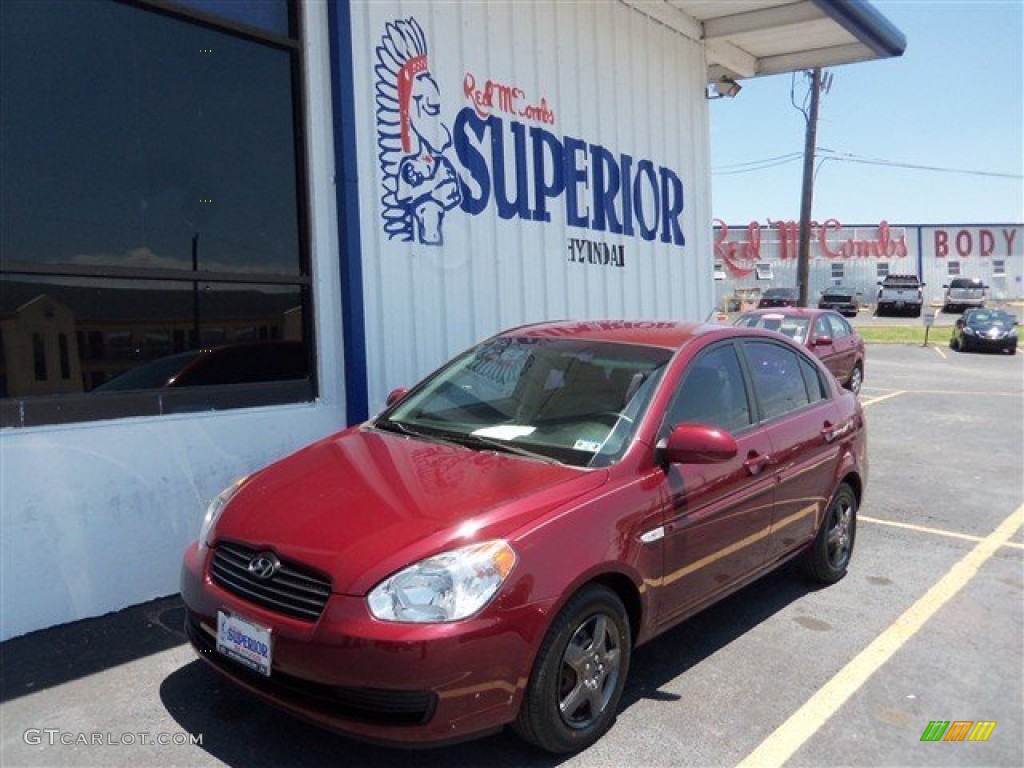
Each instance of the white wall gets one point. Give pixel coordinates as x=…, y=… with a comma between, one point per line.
x=96, y=516
x=611, y=77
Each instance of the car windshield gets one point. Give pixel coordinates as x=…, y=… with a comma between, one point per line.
x=794, y=327
x=569, y=400
x=966, y=282
x=838, y=293
x=778, y=293
x=990, y=317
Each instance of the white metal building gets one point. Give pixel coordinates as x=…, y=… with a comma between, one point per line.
x=765, y=255
x=195, y=191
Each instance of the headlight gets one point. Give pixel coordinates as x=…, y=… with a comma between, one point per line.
x=968, y=330
x=445, y=587
x=1012, y=333
x=215, y=509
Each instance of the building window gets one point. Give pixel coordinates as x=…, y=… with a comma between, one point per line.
x=998, y=268
x=837, y=270
x=719, y=271
x=153, y=176
x=65, y=356
x=39, y=356
x=764, y=270
x=882, y=270
x=953, y=268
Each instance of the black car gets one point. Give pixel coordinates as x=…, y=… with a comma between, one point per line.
x=842, y=300
x=777, y=297
x=985, y=329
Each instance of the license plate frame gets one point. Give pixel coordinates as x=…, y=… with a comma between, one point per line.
x=245, y=642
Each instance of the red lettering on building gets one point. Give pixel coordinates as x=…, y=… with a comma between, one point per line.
x=987, y=242
x=941, y=243
x=964, y=243
x=739, y=257
x=884, y=246
x=504, y=98
x=1009, y=235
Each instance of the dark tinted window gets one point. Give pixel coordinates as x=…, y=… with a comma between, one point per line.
x=840, y=328
x=778, y=378
x=151, y=199
x=817, y=388
x=712, y=392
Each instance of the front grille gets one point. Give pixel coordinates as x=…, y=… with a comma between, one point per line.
x=293, y=590
x=369, y=705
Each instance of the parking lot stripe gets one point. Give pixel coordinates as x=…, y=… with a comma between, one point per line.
x=935, y=531
x=782, y=743
x=880, y=398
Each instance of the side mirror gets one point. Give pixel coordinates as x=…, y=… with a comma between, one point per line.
x=697, y=444
x=823, y=341
x=395, y=395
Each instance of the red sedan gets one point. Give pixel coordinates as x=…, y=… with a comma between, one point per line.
x=826, y=333
x=490, y=549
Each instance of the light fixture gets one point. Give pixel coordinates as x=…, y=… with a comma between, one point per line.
x=723, y=88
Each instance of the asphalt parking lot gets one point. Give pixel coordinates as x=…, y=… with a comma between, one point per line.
x=928, y=625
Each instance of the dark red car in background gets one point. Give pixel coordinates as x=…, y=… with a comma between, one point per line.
x=824, y=332
x=490, y=549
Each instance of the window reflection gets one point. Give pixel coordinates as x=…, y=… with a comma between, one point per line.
x=134, y=139
x=151, y=216
x=71, y=335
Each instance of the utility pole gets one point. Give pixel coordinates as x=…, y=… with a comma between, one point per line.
x=803, y=264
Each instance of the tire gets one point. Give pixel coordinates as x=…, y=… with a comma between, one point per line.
x=856, y=380
x=829, y=556
x=954, y=344
x=577, y=680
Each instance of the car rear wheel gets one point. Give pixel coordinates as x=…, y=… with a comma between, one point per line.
x=856, y=380
x=829, y=556
x=577, y=680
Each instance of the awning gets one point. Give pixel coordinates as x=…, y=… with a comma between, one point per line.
x=752, y=38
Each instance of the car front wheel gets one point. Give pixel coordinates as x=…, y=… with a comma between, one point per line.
x=829, y=556
x=856, y=380
x=577, y=680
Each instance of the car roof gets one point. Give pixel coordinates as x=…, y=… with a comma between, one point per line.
x=669, y=334
x=808, y=312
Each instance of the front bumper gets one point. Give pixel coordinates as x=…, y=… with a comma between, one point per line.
x=988, y=344
x=379, y=681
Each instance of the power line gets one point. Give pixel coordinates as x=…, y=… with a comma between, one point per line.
x=848, y=157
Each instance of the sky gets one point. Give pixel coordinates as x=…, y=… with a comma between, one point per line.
x=952, y=101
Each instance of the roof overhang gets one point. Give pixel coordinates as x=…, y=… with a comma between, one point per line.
x=752, y=38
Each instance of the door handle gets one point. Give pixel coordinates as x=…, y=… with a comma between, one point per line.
x=756, y=462
x=827, y=432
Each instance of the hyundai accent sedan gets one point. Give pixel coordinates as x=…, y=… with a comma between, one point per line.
x=831, y=338
x=491, y=549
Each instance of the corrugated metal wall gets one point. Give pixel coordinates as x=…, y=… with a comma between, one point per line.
x=601, y=73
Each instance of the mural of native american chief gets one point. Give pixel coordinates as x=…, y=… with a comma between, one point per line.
x=420, y=181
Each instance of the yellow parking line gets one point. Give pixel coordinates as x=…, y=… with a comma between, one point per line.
x=806, y=721
x=935, y=531
x=880, y=398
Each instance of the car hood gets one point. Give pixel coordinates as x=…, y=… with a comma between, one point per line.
x=362, y=504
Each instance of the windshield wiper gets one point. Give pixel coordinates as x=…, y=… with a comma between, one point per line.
x=479, y=441
x=401, y=428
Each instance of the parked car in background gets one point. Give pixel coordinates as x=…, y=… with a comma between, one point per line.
x=900, y=294
x=778, y=297
x=985, y=330
x=829, y=336
x=243, y=363
x=963, y=293
x=492, y=547
x=840, y=298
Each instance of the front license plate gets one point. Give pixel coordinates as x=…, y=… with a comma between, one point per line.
x=244, y=642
